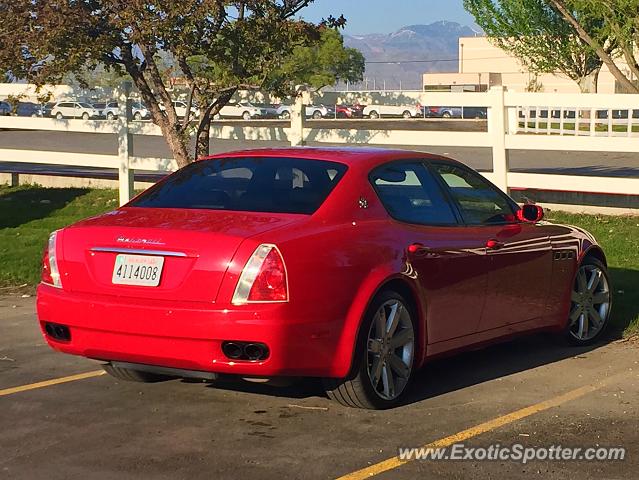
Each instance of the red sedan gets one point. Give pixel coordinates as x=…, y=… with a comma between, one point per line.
x=352, y=265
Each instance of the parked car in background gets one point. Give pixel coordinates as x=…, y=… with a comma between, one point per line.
x=70, y=109
x=444, y=112
x=312, y=111
x=405, y=111
x=180, y=109
x=243, y=264
x=475, y=112
x=5, y=109
x=268, y=110
x=99, y=106
x=138, y=111
x=30, y=109
x=349, y=111
x=243, y=110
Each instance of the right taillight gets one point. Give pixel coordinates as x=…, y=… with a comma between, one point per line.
x=263, y=279
x=50, y=272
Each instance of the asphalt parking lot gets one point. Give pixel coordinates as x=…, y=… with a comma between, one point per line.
x=532, y=391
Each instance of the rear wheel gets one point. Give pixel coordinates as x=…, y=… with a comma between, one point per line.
x=130, y=375
x=110, y=116
x=85, y=116
x=374, y=115
x=137, y=117
x=246, y=116
x=384, y=358
x=591, y=302
x=407, y=115
x=317, y=114
x=446, y=115
x=285, y=115
x=59, y=116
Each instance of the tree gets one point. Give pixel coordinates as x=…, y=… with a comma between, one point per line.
x=218, y=47
x=323, y=63
x=538, y=35
x=619, y=25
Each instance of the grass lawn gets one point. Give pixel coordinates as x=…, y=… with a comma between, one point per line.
x=28, y=214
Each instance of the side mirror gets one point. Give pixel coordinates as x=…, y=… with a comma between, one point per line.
x=530, y=213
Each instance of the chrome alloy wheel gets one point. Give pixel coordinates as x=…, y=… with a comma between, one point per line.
x=390, y=349
x=590, y=303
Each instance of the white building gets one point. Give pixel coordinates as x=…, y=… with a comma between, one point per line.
x=482, y=65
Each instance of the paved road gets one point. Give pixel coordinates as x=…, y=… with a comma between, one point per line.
x=100, y=428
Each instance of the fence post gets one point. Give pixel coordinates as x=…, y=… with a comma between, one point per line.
x=125, y=145
x=15, y=180
x=298, y=118
x=497, y=129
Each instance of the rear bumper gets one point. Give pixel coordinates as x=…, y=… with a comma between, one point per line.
x=189, y=335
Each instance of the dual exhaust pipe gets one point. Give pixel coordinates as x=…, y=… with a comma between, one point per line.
x=245, y=350
x=58, y=332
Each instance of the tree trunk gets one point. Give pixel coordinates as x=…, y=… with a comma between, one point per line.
x=588, y=84
x=203, y=136
x=203, y=139
x=599, y=50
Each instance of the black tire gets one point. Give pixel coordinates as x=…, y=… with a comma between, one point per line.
x=317, y=115
x=85, y=116
x=373, y=114
x=407, y=115
x=446, y=115
x=110, y=116
x=357, y=389
x=137, y=117
x=246, y=116
x=130, y=375
x=285, y=115
x=59, y=116
x=590, y=262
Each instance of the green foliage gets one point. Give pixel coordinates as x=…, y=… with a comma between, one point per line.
x=215, y=46
x=323, y=63
x=611, y=29
x=538, y=35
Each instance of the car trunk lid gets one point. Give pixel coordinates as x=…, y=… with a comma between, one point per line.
x=197, y=246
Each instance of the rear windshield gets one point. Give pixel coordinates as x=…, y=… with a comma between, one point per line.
x=277, y=185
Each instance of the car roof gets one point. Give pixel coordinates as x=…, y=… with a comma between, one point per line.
x=363, y=157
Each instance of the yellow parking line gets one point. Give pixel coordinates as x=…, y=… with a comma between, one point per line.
x=48, y=383
x=493, y=424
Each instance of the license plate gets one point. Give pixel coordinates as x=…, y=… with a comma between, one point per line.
x=144, y=270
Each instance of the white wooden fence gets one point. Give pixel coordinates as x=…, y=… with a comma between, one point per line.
x=507, y=130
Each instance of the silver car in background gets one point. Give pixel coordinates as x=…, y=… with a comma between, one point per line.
x=138, y=111
x=70, y=109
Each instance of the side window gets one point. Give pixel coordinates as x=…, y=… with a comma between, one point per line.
x=480, y=202
x=410, y=194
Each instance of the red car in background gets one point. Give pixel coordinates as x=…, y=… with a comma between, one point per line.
x=349, y=111
x=356, y=266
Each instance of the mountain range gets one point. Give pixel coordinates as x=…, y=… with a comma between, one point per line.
x=426, y=48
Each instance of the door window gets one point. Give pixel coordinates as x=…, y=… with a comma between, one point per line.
x=410, y=194
x=479, y=201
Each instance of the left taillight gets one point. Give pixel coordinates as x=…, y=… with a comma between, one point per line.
x=263, y=279
x=50, y=271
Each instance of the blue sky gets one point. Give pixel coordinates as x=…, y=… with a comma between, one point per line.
x=386, y=16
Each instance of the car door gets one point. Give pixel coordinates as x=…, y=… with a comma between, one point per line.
x=520, y=254
x=77, y=110
x=447, y=260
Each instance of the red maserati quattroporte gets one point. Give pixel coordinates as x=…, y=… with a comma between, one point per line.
x=355, y=266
